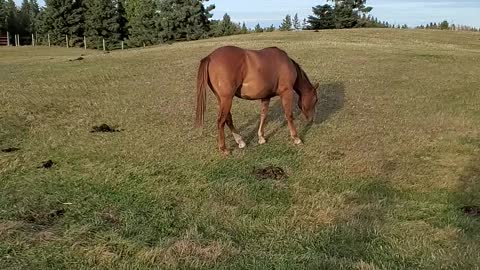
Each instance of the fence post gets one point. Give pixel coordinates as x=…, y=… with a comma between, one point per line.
x=66, y=38
x=122, y=45
x=8, y=39
x=85, y=42
x=103, y=44
x=18, y=39
x=33, y=40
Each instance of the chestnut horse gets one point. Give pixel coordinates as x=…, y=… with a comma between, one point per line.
x=253, y=75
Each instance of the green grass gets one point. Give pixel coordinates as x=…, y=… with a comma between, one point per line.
x=377, y=184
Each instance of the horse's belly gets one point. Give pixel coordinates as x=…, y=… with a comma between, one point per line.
x=251, y=92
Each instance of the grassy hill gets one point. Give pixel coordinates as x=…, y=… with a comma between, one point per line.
x=378, y=184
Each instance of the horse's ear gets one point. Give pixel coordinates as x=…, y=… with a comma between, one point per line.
x=316, y=85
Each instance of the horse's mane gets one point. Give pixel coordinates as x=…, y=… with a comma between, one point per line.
x=301, y=73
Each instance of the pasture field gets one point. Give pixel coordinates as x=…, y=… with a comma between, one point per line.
x=379, y=182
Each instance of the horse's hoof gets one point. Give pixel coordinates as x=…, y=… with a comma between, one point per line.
x=242, y=145
x=262, y=141
x=297, y=141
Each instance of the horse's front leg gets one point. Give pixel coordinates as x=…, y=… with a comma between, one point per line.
x=263, y=121
x=287, y=102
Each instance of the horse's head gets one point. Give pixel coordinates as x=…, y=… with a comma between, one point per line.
x=308, y=101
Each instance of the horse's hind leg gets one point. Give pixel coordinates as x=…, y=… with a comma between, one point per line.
x=236, y=136
x=263, y=121
x=223, y=116
x=287, y=101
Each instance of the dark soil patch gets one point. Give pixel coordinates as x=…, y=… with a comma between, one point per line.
x=47, y=164
x=44, y=218
x=110, y=216
x=104, y=128
x=335, y=155
x=10, y=149
x=270, y=172
x=473, y=211
x=77, y=59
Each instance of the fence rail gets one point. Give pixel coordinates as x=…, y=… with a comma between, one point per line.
x=44, y=40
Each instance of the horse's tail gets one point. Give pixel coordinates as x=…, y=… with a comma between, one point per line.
x=202, y=81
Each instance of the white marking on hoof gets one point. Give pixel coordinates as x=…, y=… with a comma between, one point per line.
x=261, y=140
x=241, y=144
x=239, y=140
x=297, y=141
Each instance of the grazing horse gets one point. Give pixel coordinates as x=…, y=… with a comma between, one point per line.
x=253, y=75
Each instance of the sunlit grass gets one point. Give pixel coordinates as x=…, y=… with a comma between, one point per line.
x=378, y=183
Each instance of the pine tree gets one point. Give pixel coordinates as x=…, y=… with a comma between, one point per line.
x=304, y=24
x=122, y=19
x=244, y=29
x=225, y=27
x=3, y=16
x=102, y=23
x=323, y=18
x=11, y=18
x=271, y=28
x=444, y=25
x=286, y=24
x=64, y=17
x=24, y=19
x=296, y=22
x=142, y=23
x=258, y=28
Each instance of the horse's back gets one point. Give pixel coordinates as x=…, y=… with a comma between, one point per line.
x=252, y=74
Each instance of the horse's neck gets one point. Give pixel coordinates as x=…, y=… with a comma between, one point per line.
x=302, y=85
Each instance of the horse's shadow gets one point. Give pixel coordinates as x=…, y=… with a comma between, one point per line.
x=331, y=99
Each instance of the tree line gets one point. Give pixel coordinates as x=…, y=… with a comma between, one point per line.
x=445, y=25
x=137, y=22
x=148, y=22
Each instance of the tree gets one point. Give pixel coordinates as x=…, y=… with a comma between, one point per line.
x=122, y=19
x=244, y=29
x=102, y=23
x=225, y=27
x=258, y=28
x=192, y=19
x=142, y=21
x=323, y=18
x=286, y=24
x=296, y=22
x=343, y=14
x=11, y=18
x=3, y=16
x=271, y=28
x=304, y=24
x=64, y=17
x=444, y=25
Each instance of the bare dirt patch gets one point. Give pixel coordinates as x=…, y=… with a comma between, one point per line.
x=103, y=128
x=44, y=218
x=10, y=149
x=270, y=172
x=472, y=211
x=335, y=155
x=47, y=164
x=76, y=59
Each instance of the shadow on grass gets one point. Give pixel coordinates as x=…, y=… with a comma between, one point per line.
x=331, y=98
x=468, y=194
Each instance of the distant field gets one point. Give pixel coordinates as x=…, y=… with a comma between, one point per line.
x=378, y=184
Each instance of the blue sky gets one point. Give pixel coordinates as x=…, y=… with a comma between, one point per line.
x=411, y=12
